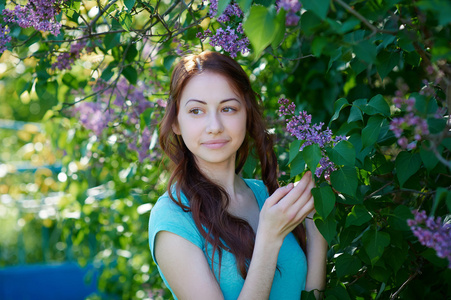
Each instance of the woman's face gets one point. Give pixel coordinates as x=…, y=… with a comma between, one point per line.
x=211, y=119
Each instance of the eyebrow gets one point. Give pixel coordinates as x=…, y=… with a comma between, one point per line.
x=203, y=102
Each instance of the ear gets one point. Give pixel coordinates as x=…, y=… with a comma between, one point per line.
x=176, y=128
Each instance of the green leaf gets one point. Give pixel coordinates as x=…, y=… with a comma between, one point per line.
x=294, y=149
x=371, y=131
x=327, y=227
x=222, y=5
x=448, y=202
x=71, y=81
x=310, y=295
x=347, y=265
x=429, y=159
x=345, y=180
x=338, y=292
x=312, y=156
x=359, y=215
x=309, y=22
x=244, y=4
x=168, y=61
x=355, y=114
x=261, y=27
x=280, y=32
x=319, y=7
x=324, y=199
x=108, y=72
x=376, y=105
x=129, y=4
x=406, y=165
x=297, y=165
x=365, y=50
x=131, y=52
x=395, y=257
x=343, y=154
x=440, y=195
x=131, y=74
x=398, y=218
x=318, y=45
x=336, y=55
x=338, y=106
x=126, y=20
x=386, y=62
x=374, y=243
x=111, y=40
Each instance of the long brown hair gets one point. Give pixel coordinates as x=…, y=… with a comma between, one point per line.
x=208, y=201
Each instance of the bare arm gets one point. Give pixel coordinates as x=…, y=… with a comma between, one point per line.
x=187, y=270
x=316, y=259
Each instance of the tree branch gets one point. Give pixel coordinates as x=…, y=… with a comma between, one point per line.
x=363, y=19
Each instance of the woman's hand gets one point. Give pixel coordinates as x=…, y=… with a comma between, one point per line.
x=286, y=208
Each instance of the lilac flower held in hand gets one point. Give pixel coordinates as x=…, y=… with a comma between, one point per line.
x=300, y=126
x=432, y=233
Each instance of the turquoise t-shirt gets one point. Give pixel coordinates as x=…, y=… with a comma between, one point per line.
x=289, y=279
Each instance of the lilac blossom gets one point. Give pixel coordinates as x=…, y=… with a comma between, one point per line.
x=300, y=126
x=231, y=38
x=213, y=8
x=410, y=122
x=93, y=116
x=230, y=11
x=4, y=38
x=64, y=60
x=291, y=7
x=141, y=144
x=126, y=106
x=230, y=41
x=433, y=233
x=39, y=14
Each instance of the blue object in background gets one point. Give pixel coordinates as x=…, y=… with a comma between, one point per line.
x=46, y=281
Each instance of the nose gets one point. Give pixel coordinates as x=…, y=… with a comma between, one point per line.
x=215, y=124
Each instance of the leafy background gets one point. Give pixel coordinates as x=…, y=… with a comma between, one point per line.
x=80, y=169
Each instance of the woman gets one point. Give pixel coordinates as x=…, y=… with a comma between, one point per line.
x=214, y=235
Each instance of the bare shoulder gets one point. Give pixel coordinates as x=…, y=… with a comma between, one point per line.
x=185, y=267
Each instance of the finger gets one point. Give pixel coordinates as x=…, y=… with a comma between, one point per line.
x=302, y=187
x=279, y=194
x=299, y=189
x=306, y=209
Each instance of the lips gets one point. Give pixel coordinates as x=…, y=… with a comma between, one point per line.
x=215, y=144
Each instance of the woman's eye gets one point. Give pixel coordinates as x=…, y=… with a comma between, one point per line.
x=195, y=111
x=228, y=109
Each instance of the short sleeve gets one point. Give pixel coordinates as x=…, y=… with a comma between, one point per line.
x=168, y=216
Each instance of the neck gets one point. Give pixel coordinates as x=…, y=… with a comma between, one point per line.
x=223, y=175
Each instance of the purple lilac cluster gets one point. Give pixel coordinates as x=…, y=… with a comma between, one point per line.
x=300, y=126
x=410, y=121
x=128, y=105
x=432, y=233
x=4, y=38
x=291, y=7
x=39, y=14
x=230, y=11
x=231, y=40
x=65, y=59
